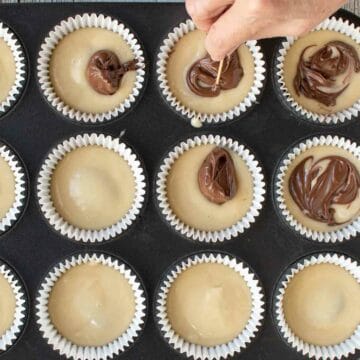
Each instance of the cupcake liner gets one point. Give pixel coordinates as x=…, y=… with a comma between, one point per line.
x=338, y=351
x=21, y=307
x=198, y=118
x=334, y=24
x=219, y=235
x=68, y=26
x=44, y=188
x=71, y=350
x=223, y=351
x=333, y=236
x=20, y=68
x=21, y=191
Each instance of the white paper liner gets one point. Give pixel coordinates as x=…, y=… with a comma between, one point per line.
x=70, y=25
x=252, y=97
x=243, y=223
x=211, y=352
x=71, y=350
x=44, y=187
x=20, y=67
x=343, y=349
x=18, y=205
x=345, y=233
x=334, y=24
x=12, y=334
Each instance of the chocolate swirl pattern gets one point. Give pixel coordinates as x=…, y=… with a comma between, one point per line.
x=325, y=75
x=317, y=186
x=104, y=71
x=217, y=178
x=201, y=77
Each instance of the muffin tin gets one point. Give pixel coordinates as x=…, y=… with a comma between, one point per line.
x=32, y=128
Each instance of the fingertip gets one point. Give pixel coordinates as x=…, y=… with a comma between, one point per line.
x=215, y=51
x=190, y=7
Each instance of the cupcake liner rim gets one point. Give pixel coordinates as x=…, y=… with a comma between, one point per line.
x=200, y=352
x=77, y=352
x=203, y=235
x=340, y=117
x=44, y=180
x=21, y=187
x=333, y=352
x=70, y=25
x=18, y=52
x=345, y=233
x=10, y=337
x=216, y=118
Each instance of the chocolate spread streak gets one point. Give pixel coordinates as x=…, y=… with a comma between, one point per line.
x=327, y=73
x=105, y=72
x=317, y=186
x=201, y=77
x=217, y=178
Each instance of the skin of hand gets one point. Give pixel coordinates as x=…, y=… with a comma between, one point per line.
x=229, y=23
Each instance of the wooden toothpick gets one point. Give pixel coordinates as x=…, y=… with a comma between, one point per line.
x=221, y=64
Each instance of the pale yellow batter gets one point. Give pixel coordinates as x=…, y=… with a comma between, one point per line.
x=209, y=304
x=92, y=187
x=7, y=187
x=7, y=305
x=91, y=304
x=7, y=70
x=68, y=69
x=191, y=48
x=343, y=213
x=192, y=207
x=320, y=38
x=322, y=304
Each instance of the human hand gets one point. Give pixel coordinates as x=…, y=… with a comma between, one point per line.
x=229, y=23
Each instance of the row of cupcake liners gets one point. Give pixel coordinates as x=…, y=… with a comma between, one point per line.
x=68, y=231
x=261, y=302
x=239, y=111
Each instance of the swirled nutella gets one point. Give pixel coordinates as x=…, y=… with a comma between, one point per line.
x=317, y=186
x=217, y=178
x=201, y=77
x=187, y=51
x=104, y=71
x=326, y=74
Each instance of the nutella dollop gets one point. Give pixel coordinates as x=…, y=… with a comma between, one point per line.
x=326, y=74
x=201, y=77
x=217, y=177
x=317, y=186
x=104, y=71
